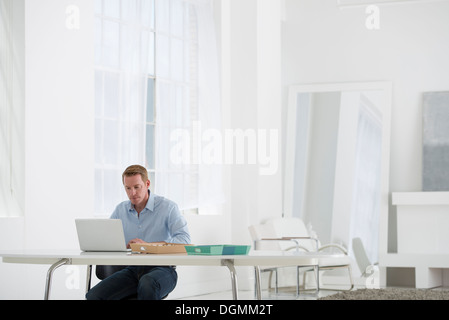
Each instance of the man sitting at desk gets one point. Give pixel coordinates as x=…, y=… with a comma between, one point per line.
x=146, y=217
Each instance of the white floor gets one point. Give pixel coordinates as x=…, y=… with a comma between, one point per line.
x=249, y=295
x=285, y=295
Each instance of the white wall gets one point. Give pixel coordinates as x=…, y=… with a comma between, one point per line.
x=59, y=123
x=58, y=142
x=255, y=92
x=323, y=44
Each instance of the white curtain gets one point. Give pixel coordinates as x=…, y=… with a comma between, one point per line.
x=366, y=199
x=12, y=115
x=162, y=50
x=123, y=63
x=188, y=102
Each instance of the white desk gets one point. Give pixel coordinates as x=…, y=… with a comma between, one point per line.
x=255, y=259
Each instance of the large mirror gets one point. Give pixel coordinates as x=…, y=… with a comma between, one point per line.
x=337, y=161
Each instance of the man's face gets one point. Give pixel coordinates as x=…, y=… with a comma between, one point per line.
x=136, y=189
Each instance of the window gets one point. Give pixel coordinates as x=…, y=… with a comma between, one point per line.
x=147, y=85
x=177, y=97
x=124, y=95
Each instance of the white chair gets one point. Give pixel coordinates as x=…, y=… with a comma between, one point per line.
x=257, y=232
x=287, y=228
x=266, y=231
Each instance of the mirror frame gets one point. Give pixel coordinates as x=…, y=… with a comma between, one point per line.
x=289, y=171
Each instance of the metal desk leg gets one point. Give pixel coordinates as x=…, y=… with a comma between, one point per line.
x=50, y=274
x=258, y=289
x=230, y=264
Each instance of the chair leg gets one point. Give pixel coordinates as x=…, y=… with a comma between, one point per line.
x=276, y=288
x=257, y=283
x=297, y=281
x=316, y=273
x=350, y=278
x=88, y=278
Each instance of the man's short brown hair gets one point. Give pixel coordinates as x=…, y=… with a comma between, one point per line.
x=134, y=170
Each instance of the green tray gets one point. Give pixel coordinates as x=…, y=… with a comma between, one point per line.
x=218, y=250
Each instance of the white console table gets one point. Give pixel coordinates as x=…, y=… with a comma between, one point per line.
x=422, y=236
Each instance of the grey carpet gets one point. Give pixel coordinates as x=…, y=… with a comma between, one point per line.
x=390, y=294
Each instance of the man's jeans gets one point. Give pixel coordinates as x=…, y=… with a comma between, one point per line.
x=148, y=283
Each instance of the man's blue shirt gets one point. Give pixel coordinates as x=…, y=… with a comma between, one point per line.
x=160, y=220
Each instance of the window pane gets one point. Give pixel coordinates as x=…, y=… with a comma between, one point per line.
x=181, y=113
x=98, y=6
x=111, y=143
x=111, y=95
x=163, y=54
x=147, y=52
x=130, y=49
x=147, y=12
x=129, y=10
x=152, y=177
x=177, y=18
x=176, y=185
x=150, y=100
x=190, y=189
x=177, y=59
x=98, y=93
x=133, y=100
x=113, y=189
x=111, y=41
x=98, y=141
x=133, y=141
x=98, y=41
x=112, y=8
x=99, y=194
x=150, y=54
x=162, y=15
x=150, y=146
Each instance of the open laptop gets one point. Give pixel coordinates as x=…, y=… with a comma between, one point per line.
x=100, y=235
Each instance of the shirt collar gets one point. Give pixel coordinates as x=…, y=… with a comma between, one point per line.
x=149, y=205
x=150, y=202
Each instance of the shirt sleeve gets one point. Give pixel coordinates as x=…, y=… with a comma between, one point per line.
x=115, y=214
x=178, y=227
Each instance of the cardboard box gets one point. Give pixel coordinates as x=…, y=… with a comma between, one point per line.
x=158, y=247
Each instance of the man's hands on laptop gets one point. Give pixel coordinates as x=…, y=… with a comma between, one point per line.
x=134, y=241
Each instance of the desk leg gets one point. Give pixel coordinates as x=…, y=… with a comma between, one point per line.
x=50, y=274
x=258, y=289
x=230, y=264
